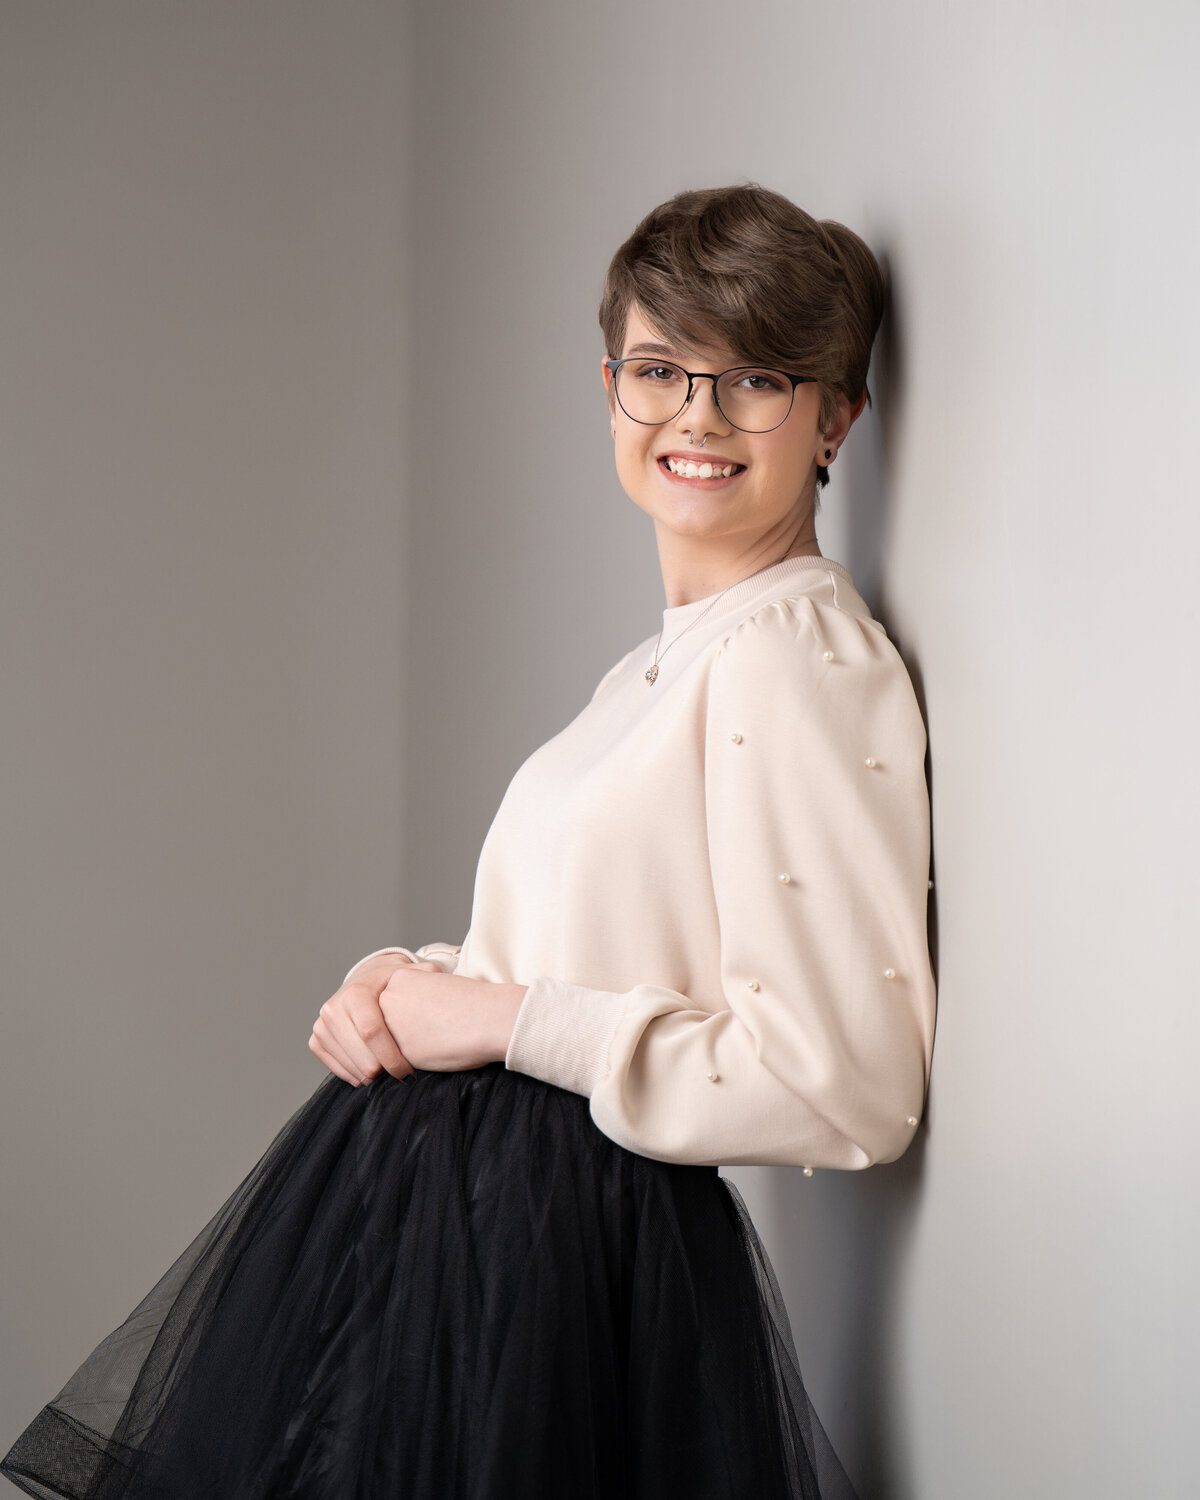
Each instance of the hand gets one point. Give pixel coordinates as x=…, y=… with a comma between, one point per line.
x=451, y=1022
x=350, y=1035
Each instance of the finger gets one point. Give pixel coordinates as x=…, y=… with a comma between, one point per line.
x=339, y=1033
x=335, y=1064
x=334, y=1057
x=334, y=1047
x=356, y=1021
x=365, y=1012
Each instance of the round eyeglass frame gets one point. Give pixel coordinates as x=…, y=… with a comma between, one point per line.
x=693, y=375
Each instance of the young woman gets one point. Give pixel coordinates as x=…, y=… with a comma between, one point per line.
x=492, y=1254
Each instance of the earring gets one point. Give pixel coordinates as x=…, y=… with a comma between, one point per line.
x=829, y=453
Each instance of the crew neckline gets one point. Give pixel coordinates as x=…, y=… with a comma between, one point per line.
x=746, y=588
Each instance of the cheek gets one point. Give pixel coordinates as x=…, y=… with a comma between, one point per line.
x=631, y=469
x=784, y=450
x=787, y=463
x=632, y=453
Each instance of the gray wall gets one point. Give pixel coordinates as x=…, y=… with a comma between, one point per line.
x=277, y=609
x=205, y=226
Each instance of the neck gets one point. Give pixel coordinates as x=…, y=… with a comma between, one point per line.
x=697, y=578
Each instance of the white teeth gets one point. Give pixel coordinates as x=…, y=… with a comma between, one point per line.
x=704, y=470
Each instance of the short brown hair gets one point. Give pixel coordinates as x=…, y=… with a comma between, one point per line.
x=781, y=288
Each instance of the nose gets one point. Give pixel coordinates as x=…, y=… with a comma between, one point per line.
x=702, y=408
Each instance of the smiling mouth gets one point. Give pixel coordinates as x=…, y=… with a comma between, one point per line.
x=712, y=481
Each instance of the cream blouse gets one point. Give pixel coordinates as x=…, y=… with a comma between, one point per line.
x=716, y=886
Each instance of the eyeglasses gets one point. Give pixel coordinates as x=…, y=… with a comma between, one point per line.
x=750, y=398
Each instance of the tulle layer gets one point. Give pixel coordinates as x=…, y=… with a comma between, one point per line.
x=451, y=1285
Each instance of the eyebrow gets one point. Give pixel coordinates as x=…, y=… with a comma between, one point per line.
x=672, y=354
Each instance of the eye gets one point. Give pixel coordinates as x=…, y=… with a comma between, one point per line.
x=760, y=380
x=656, y=374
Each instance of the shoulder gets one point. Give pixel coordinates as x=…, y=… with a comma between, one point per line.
x=787, y=630
x=818, y=654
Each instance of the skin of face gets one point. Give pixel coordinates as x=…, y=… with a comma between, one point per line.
x=711, y=538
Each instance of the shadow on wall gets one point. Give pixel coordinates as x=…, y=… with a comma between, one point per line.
x=847, y=1233
x=868, y=501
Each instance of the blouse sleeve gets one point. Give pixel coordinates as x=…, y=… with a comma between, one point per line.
x=816, y=1050
x=445, y=955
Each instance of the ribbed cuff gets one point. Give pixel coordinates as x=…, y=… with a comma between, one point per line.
x=562, y=1033
x=445, y=955
x=408, y=953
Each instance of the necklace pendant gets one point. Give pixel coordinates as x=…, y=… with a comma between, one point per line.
x=652, y=673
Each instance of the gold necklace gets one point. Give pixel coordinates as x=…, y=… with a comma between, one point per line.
x=652, y=671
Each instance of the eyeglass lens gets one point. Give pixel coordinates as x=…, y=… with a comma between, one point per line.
x=753, y=399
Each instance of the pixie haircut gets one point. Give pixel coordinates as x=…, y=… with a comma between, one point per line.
x=748, y=266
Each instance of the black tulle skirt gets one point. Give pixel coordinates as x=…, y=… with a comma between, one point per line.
x=448, y=1287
